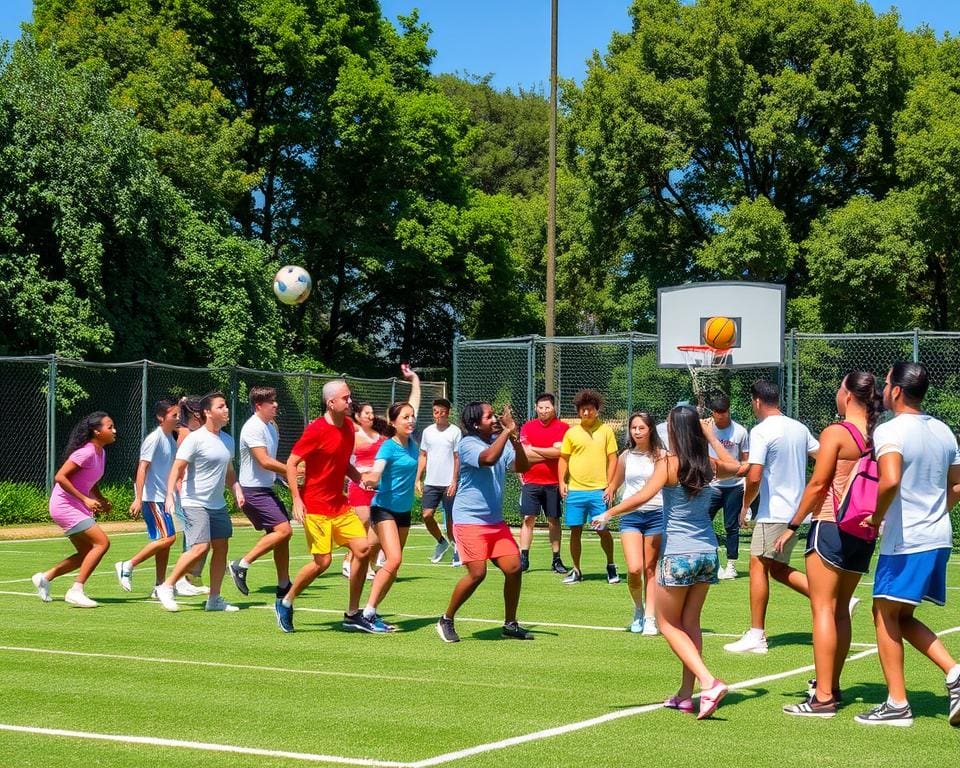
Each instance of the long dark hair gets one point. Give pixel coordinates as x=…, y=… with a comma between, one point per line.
x=380, y=424
x=863, y=386
x=690, y=445
x=656, y=446
x=82, y=433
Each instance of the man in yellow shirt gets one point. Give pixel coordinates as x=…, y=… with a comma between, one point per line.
x=588, y=463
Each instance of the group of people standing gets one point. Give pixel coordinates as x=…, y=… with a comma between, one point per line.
x=671, y=479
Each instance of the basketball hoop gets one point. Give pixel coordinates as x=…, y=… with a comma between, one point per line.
x=704, y=363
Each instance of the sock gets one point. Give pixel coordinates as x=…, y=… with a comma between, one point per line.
x=556, y=556
x=524, y=551
x=896, y=704
x=287, y=603
x=651, y=616
x=77, y=586
x=126, y=568
x=369, y=612
x=243, y=564
x=755, y=632
x=953, y=675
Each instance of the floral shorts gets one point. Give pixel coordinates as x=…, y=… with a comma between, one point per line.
x=685, y=570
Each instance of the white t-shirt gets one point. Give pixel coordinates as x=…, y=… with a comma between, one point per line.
x=918, y=519
x=439, y=447
x=735, y=439
x=207, y=455
x=159, y=449
x=256, y=433
x=781, y=445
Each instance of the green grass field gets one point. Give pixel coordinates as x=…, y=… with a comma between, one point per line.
x=583, y=693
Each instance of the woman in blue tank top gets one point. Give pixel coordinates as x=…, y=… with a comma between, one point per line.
x=688, y=556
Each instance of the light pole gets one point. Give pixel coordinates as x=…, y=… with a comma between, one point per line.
x=549, y=379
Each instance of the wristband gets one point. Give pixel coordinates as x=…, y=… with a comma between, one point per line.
x=793, y=527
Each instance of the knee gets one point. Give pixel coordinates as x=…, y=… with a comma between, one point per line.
x=393, y=564
x=321, y=563
x=428, y=514
x=362, y=552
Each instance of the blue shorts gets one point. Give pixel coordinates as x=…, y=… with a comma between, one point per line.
x=687, y=569
x=583, y=506
x=912, y=578
x=159, y=521
x=649, y=522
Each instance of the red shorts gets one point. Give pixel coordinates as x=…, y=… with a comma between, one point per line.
x=484, y=542
x=357, y=496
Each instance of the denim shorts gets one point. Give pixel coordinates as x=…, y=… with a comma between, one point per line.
x=649, y=522
x=687, y=569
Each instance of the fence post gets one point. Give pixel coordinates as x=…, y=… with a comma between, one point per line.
x=629, y=398
x=916, y=345
x=143, y=399
x=51, y=421
x=456, y=370
x=233, y=407
x=306, y=398
x=531, y=375
x=393, y=389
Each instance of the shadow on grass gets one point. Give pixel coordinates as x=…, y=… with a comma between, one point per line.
x=790, y=638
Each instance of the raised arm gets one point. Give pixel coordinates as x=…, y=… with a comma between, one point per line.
x=411, y=375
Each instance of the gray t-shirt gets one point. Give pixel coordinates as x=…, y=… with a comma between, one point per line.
x=688, y=525
x=256, y=433
x=159, y=449
x=207, y=455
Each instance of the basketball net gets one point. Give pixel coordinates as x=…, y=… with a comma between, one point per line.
x=705, y=364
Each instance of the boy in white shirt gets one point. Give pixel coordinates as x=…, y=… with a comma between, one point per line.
x=437, y=469
x=727, y=494
x=919, y=483
x=779, y=449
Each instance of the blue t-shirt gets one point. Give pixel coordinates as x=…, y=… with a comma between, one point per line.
x=479, y=499
x=395, y=491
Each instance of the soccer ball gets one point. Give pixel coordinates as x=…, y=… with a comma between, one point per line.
x=292, y=284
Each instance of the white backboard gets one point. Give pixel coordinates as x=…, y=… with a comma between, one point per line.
x=757, y=309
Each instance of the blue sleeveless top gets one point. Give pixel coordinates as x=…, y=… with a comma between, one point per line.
x=688, y=525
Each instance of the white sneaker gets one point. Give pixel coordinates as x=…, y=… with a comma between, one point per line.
x=854, y=602
x=650, y=626
x=124, y=576
x=749, y=643
x=371, y=574
x=164, y=594
x=76, y=596
x=381, y=559
x=184, y=588
x=43, y=587
x=345, y=569
x=729, y=571
x=217, y=603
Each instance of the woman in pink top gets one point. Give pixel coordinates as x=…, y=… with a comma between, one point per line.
x=75, y=499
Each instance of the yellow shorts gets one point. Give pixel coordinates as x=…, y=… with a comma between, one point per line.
x=323, y=532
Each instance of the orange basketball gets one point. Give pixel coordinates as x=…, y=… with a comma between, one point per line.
x=720, y=332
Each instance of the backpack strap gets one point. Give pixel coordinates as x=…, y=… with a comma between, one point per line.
x=855, y=433
x=864, y=450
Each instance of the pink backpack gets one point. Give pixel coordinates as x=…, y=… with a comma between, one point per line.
x=859, y=499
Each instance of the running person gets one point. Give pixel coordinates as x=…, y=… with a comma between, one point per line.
x=919, y=483
x=542, y=438
x=478, y=526
x=688, y=561
x=394, y=475
x=191, y=583
x=641, y=531
x=150, y=489
x=259, y=439
x=74, y=502
x=835, y=560
x=727, y=494
x=325, y=448
x=586, y=470
x=367, y=441
x=438, y=458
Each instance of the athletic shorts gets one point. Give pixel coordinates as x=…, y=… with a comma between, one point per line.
x=649, y=522
x=436, y=495
x=159, y=522
x=583, y=506
x=761, y=542
x=484, y=542
x=687, y=569
x=839, y=549
x=912, y=578
x=535, y=498
x=323, y=532
x=202, y=525
x=264, y=509
x=357, y=496
x=382, y=515
x=80, y=526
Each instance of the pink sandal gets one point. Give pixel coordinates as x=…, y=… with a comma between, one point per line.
x=683, y=705
x=710, y=698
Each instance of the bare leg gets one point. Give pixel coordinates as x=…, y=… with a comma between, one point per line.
x=606, y=544
x=393, y=540
x=576, y=532
x=360, y=550
x=886, y=619
x=186, y=562
x=430, y=522
x=555, y=533
x=306, y=575
x=759, y=592
x=830, y=591
x=526, y=531
x=651, y=553
x=678, y=616
x=91, y=545
x=476, y=572
x=632, y=544
x=218, y=564
x=512, y=579
x=278, y=537
x=790, y=577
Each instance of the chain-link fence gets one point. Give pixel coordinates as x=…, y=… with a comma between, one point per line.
x=46, y=396
x=623, y=368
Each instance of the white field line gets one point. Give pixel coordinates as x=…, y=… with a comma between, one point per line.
x=442, y=759
x=264, y=668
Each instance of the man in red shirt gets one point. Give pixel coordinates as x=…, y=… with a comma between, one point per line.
x=325, y=449
x=542, y=437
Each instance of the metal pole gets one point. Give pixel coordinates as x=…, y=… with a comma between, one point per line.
x=306, y=399
x=531, y=377
x=629, y=398
x=51, y=421
x=456, y=371
x=916, y=345
x=144, y=380
x=789, y=365
x=551, y=205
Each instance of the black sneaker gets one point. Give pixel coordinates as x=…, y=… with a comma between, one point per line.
x=953, y=699
x=812, y=691
x=612, y=576
x=558, y=566
x=239, y=577
x=513, y=631
x=357, y=622
x=524, y=561
x=887, y=715
x=813, y=707
x=446, y=630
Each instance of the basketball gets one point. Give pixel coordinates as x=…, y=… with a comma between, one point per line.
x=292, y=284
x=720, y=332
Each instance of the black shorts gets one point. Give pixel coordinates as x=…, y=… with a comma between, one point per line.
x=381, y=515
x=535, y=497
x=839, y=549
x=434, y=496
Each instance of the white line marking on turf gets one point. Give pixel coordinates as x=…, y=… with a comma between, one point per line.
x=202, y=745
x=264, y=668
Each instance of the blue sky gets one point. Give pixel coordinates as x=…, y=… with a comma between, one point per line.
x=511, y=38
